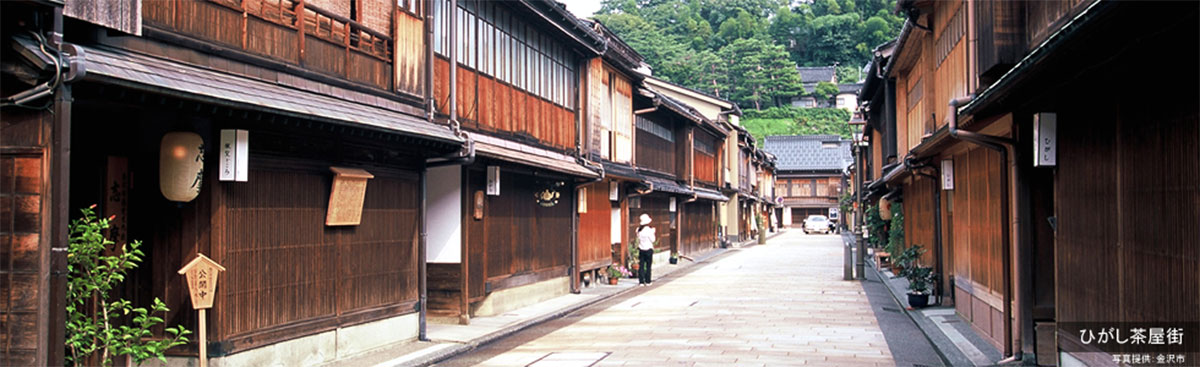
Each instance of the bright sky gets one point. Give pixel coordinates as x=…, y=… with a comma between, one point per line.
x=582, y=8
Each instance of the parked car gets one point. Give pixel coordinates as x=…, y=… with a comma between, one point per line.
x=816, y=223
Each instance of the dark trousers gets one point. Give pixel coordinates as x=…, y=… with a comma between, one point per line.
x=645, y=259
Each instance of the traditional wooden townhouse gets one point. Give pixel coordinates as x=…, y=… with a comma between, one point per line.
x=286, y=140
x=714, y=176
x=748, y=201
x=764, y=188
x=665, y=159
x=510, y=74
x=608, y=139
x=811, y=172
x=1026, y=163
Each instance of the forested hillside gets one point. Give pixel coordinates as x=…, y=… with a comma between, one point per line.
x=747, y=50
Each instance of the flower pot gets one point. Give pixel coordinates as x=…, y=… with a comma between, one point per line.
x=918, y=300
x=613, y=280
x=674, y=260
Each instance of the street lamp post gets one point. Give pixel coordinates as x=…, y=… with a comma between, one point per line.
x=859, y=160
x=858, y=179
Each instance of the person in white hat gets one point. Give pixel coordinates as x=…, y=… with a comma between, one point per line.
x=645, y=244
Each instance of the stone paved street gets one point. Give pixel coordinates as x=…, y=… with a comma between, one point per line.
x=779, y=304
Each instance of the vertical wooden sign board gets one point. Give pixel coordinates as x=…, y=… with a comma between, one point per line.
x=201, y=275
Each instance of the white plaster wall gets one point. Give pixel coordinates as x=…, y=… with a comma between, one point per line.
x=787, y=216
x=444, y=215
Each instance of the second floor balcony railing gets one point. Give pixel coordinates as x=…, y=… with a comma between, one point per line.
x=294, y=32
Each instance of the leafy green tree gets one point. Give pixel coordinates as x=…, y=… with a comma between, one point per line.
x=643, y=36
x=679, y=39
x=825, y=90
x=743, y=26
x=835, y=41
x=100, y=327
x=849, y=74
x=785, y=80
x=717, y=11
x=759, y=72
x=792, y=30
x=826, y=7
x=700, y=70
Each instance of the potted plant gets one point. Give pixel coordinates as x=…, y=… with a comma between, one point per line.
x=907, y=258
x=615, y=272
x=919, y=279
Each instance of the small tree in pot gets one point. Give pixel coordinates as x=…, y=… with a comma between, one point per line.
x=919, y=280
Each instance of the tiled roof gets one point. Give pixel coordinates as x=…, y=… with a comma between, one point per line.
x=143, y=72
x=849, y=88
x=806, y=152
x=816, y=74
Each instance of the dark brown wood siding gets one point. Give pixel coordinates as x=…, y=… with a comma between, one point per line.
x=24, y=242
x=1044, y=17
x=595, y=228
x=918, y=217
x=1128, y=202
x=518, y=241
x=706, y=152
x=1000, y=34
x=663, y=219
x=976, y=239
x=654, y=152
x=321, y=39
x=699, y=227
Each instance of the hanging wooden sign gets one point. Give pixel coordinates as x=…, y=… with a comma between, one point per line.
x=346, y=197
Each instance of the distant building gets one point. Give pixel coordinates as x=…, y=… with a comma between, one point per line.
x=846, y=98
x=809, y=174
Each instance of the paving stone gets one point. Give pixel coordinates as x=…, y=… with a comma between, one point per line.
x=779, y=304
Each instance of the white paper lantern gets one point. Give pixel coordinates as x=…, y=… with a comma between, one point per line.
x=181, y=166
x=885, y=209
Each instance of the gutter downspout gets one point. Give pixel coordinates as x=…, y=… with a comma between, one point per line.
x=453, y=53
x=422, y=271
x=1001, y=145
x=430, y=99
x=60, y=168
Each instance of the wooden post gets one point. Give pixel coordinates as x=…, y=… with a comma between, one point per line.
x=202, y=326
x=202, y=283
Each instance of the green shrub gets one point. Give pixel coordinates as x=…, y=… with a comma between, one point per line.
x=99, y=326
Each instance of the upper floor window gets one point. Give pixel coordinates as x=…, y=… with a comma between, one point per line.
x=411, y=6
x=495, y=42
x=654, y=128
x=705, y=146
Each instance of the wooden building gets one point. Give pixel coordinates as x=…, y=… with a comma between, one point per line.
x=811, y=172
x=312, y=274
x=506, y=236
x=1024, y=172
x=720, y=185
x=608, y=139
